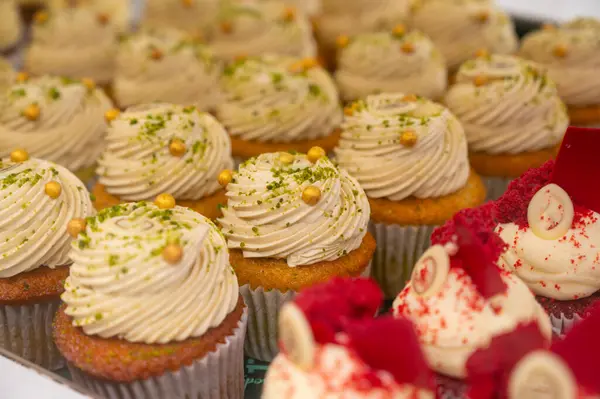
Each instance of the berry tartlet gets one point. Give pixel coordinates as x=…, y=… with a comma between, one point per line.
x=332, y=347
x=549, y=219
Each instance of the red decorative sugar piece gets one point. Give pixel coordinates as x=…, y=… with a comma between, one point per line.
x=577, y=170
x=391, y=344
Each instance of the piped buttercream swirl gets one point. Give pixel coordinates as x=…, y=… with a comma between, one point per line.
x=7, y=74
x=192, y=16
x=117, y=11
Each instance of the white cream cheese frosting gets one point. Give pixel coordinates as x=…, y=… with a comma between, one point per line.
x=507, y=106
x=7, y=74
x=461, y=27
x=121, y=284
x=166, y=65
x=278, y=99
x=57, y=119
x=139, y=162
x=194, y=16
x=266, y=216
x=11, y=27
x=390, y=62
x=33, y=225
x=118, y=11
x=571, y=53
x=73, y=42
x=399, y=146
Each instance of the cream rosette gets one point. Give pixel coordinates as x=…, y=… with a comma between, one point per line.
x=11, y=27
x=73, y=42
x=461, y=27
x=166, y=65
x=396, y=61
x=507, y=106
x=150, y=275
x=37, y=200
x=257, y=28
x=571, y=53
x=56, y=119
x=194, y=16
x=284, y=206
x=7, y=74
x=278, y=99
x=117, y=11
x=160, y=148
x=398, y=146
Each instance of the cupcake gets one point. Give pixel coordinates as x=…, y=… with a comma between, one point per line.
x=118, y=11
x=549, y=219
x=571, y=53
x=166, y=65
x=410, y=156
x=291, y=221
x=309, y=7
x=73, y=42
x=275, y=103
x=333, y=348
x=7, y=74
x=459, y=299
x=461, y=27
x=394, y=61
x=152, y=306
x=158, y=148
x=193, y=16
x=57, y=119
x=28, y=8
x=254, y=28
x=11, y=27
x=38, y=199
x=512, y=116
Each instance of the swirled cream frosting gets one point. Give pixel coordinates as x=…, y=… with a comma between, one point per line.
x=399, y=146
x=255, y=28
x=353, y=17
x=391, y=62
x=57, y=119
x=33, y=225
x=461, y=27
x=7, y=74
x=571, y=53
x=123, y=285
x=166, y=65
x=160, y=148
x=507, y=106
x=193, y=16
x=278, y=99
x=267, y=215
x=117, y=11
x=11, y=27
x=73, y=42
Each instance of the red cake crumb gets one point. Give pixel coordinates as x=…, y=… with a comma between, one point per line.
x=483, y=217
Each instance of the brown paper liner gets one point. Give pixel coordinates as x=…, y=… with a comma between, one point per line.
x=510, y=165
x=584, y=116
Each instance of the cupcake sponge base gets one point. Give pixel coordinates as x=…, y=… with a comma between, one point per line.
x=510, y=165
x=582, y=116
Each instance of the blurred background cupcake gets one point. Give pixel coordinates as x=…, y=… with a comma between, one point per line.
x=571, y=53
x=254, y=28
x=119, y=12
x=512, y=116
x=395, y=61
x=164, y=148
x=38, y=199
x=166, y=65
x=73, y=42
x=28, y=8
x=57, y=119
x=460, y=27
x=152, y=306
x=410, y=156
x=291, y=221
x=193, y=16
x=275, y=103
x=11, y=27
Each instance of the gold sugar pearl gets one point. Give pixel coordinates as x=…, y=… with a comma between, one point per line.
x=240, y=57
x=226, y=27
x=40, y=17
x=286, y=158
x=560, y=51
x=399, y=30
x=480, y=80
x=309, y=63
x=32, y=112
x=408, y=47
x=482, y=16
x=225, y=177
x=103, y=18
x=311, y=195
x=165, y=201
x=482, y=53
x=111, y=114
x=53, y=189
x=408, y=138
x=177, y=148
x=172, y=253
x=76, y=226
x=315, y=153
x=289, y=14
x=342, y=41
x=156, y=54
x=187, y=3
x=410, y=98
x=19, y=155
x=22, y=77
x=89, y=83
x=349, y=109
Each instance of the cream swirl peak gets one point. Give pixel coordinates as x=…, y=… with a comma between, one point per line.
x=164, y=148
x=193, y=16
x=57, y=119
x=254, y=28
x=395, y=61
x=166, y=65
x=37, y=200
x=398, y=146
x=461, y=27
x=118, y=12
x=279, y=99
x=571, y=53
x=507, y=106
x=73, y=42
x=151, y=275
x=282, y=205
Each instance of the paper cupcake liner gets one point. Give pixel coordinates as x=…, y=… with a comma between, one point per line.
x=495, y=186
x=26, y=330
x=398, y=249
x=263, y=312
x=218, y=375
x=561, y=324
